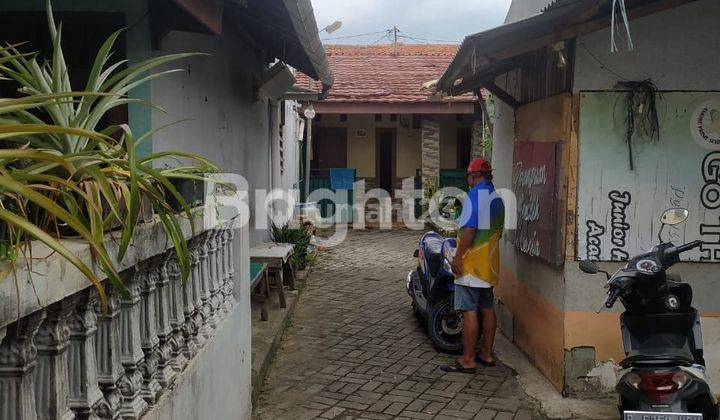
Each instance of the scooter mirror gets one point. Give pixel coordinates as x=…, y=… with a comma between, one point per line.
x=589, y=267
x=674, y=216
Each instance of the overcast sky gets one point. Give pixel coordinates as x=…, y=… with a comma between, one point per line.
x=448, y=20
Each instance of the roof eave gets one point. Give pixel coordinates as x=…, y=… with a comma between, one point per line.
x=487, y=54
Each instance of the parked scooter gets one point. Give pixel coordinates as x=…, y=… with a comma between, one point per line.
x=664, y=371
x=431, y=287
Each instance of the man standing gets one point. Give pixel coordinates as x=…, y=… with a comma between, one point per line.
x=476, y=266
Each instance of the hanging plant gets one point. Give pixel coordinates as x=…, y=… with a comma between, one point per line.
x=642, y=116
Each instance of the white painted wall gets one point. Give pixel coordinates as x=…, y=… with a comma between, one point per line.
x=226, y=124
x=677, y=48
x=240, y=133
x=292, y=136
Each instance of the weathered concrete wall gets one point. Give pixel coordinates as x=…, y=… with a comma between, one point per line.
x=227, y=124
x=675, y=48
x=531, y=291
x=216, y=383
x=677, y=59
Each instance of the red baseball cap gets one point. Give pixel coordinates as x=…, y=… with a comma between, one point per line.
x=479, y=165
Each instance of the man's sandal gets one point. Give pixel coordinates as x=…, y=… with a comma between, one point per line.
x=484, y=362
x=458, y=368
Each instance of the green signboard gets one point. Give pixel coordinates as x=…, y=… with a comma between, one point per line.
x=619, y=208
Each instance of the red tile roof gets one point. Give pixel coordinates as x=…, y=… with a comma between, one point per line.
x=372, y=73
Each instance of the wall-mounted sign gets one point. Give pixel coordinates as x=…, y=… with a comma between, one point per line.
x=361, y=133
x=619, y=209
x=535, y=186
x=705, y=125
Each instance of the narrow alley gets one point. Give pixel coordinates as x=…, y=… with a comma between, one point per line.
x=355, y=349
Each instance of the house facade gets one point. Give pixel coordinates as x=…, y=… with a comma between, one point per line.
x=379, y=121
x=173, y=348
x=562, y=112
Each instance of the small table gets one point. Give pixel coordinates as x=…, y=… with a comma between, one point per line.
x=277, y=257
x=258, y=277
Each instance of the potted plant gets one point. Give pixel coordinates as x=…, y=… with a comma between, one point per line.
x=62, y=174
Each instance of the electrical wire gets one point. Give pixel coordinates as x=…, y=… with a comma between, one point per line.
x=386, y=35
x=354, y=36
x=602, y=65
x=425, y=40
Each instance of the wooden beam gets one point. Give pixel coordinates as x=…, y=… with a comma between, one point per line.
x=501, y=94
x=485, y=113
x=576, y=29
x=585, y=28
x=479, y=79
x=208, y=12
x=570, y=225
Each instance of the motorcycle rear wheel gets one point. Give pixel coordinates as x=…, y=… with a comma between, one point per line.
x=444, y=326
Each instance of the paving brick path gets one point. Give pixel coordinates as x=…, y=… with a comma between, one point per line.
x=355, y=350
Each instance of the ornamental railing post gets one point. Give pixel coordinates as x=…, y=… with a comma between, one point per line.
x=85, y=396
x=149, y=341
x=107, y=354
x=51, y=375
x=229, y=280
x=191, y=312
x=220, y=273
x=165, y=373
x=180, y=347
x=203, y=277
x=216, y=280
x=131, y=352
x=17, y=365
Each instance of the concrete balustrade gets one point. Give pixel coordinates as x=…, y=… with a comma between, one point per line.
x=72, y=359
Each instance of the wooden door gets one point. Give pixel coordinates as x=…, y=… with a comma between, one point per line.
x=385, y=157
x=464, y=147
x=329, y=147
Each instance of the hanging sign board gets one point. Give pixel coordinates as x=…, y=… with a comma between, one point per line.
x=535, y=187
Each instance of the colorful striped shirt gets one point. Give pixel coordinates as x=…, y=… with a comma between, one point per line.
x=484, y=211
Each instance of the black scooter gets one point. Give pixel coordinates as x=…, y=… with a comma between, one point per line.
x=431, y=287
x=663, y=375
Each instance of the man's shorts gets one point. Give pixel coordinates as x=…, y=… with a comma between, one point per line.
x=472, y=298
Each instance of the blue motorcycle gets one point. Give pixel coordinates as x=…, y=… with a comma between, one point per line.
x=431, y=287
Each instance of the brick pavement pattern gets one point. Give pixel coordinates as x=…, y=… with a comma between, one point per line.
x=355, y=349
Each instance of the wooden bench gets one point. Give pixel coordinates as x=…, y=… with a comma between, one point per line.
x=258, y=279
x=278, y=257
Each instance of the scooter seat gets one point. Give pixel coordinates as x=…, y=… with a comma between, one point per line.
x=432, y=248
x=433, y=245
x=646, y=359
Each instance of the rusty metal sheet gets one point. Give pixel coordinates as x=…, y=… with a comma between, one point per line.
x=535, y=176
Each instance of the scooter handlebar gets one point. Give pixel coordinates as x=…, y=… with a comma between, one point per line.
x=687, y=247
x=612, y=297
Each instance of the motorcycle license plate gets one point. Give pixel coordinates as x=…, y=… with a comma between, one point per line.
x=648, y=415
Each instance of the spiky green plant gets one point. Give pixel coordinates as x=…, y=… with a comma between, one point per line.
x=63, y=174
